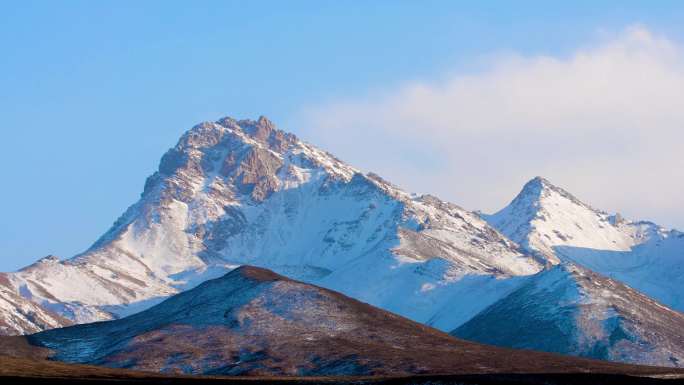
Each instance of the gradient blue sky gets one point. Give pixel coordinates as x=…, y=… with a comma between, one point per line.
x=93, y=93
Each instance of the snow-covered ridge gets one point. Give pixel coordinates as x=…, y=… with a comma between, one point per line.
x=236, y=192
x=22, y=316
x=543, y=216
x=552, y=224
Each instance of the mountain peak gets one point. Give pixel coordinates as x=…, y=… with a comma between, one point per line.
x=209, y=134
x=261, y=130
x=539, y=195
x=538, y=181
x=546, y=220
x=540, y=187
x=50, y=258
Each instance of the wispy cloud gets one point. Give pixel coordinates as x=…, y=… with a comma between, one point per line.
x=607, y=122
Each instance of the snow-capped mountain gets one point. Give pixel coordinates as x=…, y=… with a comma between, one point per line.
x=242, y=192
x=233, y=192
x=571, y=310
x=254, y=322
x=553, y=225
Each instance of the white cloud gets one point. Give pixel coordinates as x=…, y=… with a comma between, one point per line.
x=606, y=122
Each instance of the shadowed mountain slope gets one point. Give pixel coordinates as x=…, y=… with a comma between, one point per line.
x=572, y=310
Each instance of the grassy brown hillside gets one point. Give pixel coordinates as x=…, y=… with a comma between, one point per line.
x=27, y=371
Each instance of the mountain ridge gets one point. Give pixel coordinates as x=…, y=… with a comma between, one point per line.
x=547, y=221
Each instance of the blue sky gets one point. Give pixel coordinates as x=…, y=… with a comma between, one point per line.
x=93, y=93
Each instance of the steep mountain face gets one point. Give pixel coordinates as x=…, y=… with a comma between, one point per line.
x=254, y=322
x=242, y=192
x=571, y=310
x=554, y=225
